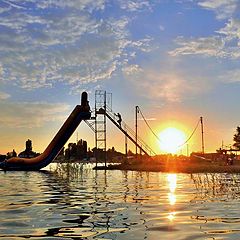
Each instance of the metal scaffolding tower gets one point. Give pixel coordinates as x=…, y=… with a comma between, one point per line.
x=100, y=125
x=103, y=103
x=103, y=111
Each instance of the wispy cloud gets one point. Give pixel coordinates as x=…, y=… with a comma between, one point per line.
x=209, y=46
x=87, y=5
x=132, y=70
x=135, y=5
x=13, y=5
x=161, y=27
x=223, y=8
x=231, y=31
x=167, y=86
x=44, y=42
x=231, y=76
x=13, y=115
x=4, y=95
x=148, y=119
x=4, y=9
x=225, y=43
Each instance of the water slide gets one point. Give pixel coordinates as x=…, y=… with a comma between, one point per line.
x=80, y=112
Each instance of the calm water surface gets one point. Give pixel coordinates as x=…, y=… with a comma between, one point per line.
x=76, y=202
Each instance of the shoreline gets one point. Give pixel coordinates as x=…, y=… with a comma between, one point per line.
x=174, y=168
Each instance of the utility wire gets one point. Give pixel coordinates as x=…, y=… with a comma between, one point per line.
x=149, y=125
x=159, y=138
x=190, y=135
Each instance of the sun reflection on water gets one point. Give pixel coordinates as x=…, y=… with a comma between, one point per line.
x=76, y=202
x=172, y=198
x=171, y=216
x=172, y=184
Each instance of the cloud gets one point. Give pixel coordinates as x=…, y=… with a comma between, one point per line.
x=148, y=119
x=4, y=95
x=169, y=87
x=209, y=46
x=4, y=9
x=132, y=70
x=225, y=44
x=162, y=28
x=231, y=31
x=87, y=5
x=161, y=86
x=13, y=5
x=136, y=5
x=1, y=72
x=44, y=42
x=231, y=76
x=31, y=115
x=222, y=8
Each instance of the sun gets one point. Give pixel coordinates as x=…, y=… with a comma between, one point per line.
x=170, y=139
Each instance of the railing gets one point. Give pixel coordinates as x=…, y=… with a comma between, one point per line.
x=130, y=133
x=126, y=129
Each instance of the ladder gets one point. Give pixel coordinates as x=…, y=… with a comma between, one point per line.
x=97, y=123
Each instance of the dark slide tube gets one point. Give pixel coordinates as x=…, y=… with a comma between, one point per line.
x=80, y=112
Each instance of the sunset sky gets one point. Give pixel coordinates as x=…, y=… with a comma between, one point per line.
x=176, y=59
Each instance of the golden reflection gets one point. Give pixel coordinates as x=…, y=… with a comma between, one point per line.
x=172, y=198
x=171, y=216
x=172, y=182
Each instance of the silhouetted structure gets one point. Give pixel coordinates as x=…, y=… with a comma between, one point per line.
x=28, y=153
x=2, y=157
x=236, y=138
x=11, y=154
x=76, y=151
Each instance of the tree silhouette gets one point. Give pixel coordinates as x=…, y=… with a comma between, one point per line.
x=236, y=138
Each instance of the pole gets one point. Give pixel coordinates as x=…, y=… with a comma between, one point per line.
x=96, y=144
x=136, y=112
x=105, y=131
x=126, y=147
x=201, y=120
x=187, y=151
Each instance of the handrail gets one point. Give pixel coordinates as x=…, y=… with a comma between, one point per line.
x=129, y=133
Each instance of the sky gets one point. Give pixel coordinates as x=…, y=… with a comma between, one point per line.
x=176, y=59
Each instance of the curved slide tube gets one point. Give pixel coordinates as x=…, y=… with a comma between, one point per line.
x=80, y=112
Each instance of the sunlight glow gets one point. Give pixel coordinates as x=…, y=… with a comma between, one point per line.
x=170, y=139
x=172, y=198
x=172, y=182
x=171, y=216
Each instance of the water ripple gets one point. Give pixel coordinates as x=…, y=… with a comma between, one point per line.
x=87, y=204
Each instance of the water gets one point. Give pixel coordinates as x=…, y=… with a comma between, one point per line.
x=75, y=202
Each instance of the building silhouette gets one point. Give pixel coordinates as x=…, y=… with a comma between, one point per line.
x=28, y=153
x=77, y=150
